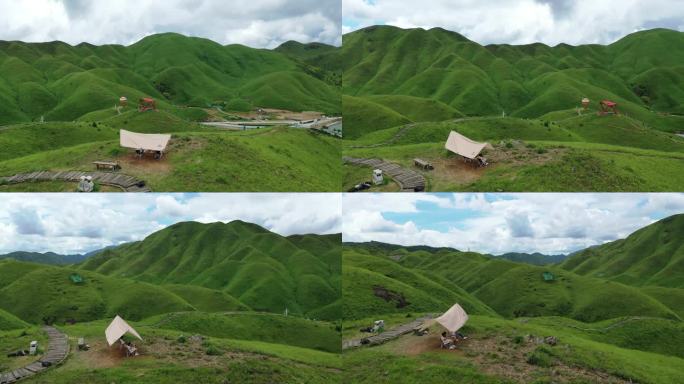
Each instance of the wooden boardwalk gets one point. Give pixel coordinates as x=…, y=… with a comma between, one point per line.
x=386, y=336
x=57, y=352
x=124, y=182
x=407, y=179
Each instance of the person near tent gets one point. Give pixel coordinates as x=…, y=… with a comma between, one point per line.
x=459, y=335
x=143, y=142
x=452, y=321
x=447, y=342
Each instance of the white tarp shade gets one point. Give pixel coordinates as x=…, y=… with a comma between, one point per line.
x=117, y=329
x=453, y=319
x=149, y=142
x=463, y=146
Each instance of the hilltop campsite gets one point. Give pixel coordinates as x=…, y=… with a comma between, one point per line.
x=237, y=118
x=251, y=304
x=562, y=118
x=607, y=314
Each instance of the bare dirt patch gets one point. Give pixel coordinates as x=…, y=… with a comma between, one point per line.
x=453, y=169
x=279, y=114
x=502, y=356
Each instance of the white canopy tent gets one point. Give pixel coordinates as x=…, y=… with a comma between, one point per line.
x=146, y=141
x=463, y=146
x=453, y=319
x=117, y=329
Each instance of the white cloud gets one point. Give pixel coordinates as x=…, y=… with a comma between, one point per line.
x=520, y=21
x=548, y=223
x=255, y=23
x=77, y=223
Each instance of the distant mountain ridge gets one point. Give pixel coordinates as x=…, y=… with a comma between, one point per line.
x=64, y=82
x=51, y=258
x=45, y=258
x=535, y=258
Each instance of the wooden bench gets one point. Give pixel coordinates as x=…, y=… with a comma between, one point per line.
x=426, y=165
x=111, y=165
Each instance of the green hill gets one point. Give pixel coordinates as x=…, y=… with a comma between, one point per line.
x=9, y=321
x=511, y=289
x=268, y=328
x=63, y=82
x=261, y=269
x=603, y=331
x=640, y=71
x=653, y=255
x=38, y=294
x=198, y=157
x=404, y=90
x=44, y=258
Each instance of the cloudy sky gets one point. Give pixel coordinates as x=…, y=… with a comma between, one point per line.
x=77, y=223
x=547, y=223
x=255, y=23
x=520, y=21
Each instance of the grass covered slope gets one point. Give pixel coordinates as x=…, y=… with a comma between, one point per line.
x=525, y=81
x=265, y=327
x=268, y=159
x=653, y=255
x=261, y=269
x=366, y=278
x=554, y=153
x=508, y=288
x=605, y=332
x=406, y=89
x=169, y=355
x=8, y=321
x=63, y=82
x=39, y=293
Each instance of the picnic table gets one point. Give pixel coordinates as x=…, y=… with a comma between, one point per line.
x=426, y=165
x=111, y=165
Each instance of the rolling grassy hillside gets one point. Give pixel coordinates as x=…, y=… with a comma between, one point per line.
x=405, y=90
x=607, y=332
x=653, y=255
x=581, y=153
x=268, y=328
x=9, y=321
x=63, y=82
x=198, y=295
x=175, y=352
x=198, y=157
x=639, y=71
x=39, y=294
x=510, y=289
x=263, y=270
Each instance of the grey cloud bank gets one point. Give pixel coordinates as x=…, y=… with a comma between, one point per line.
x=75, y=223
x=255, y=23
x=521, y=21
